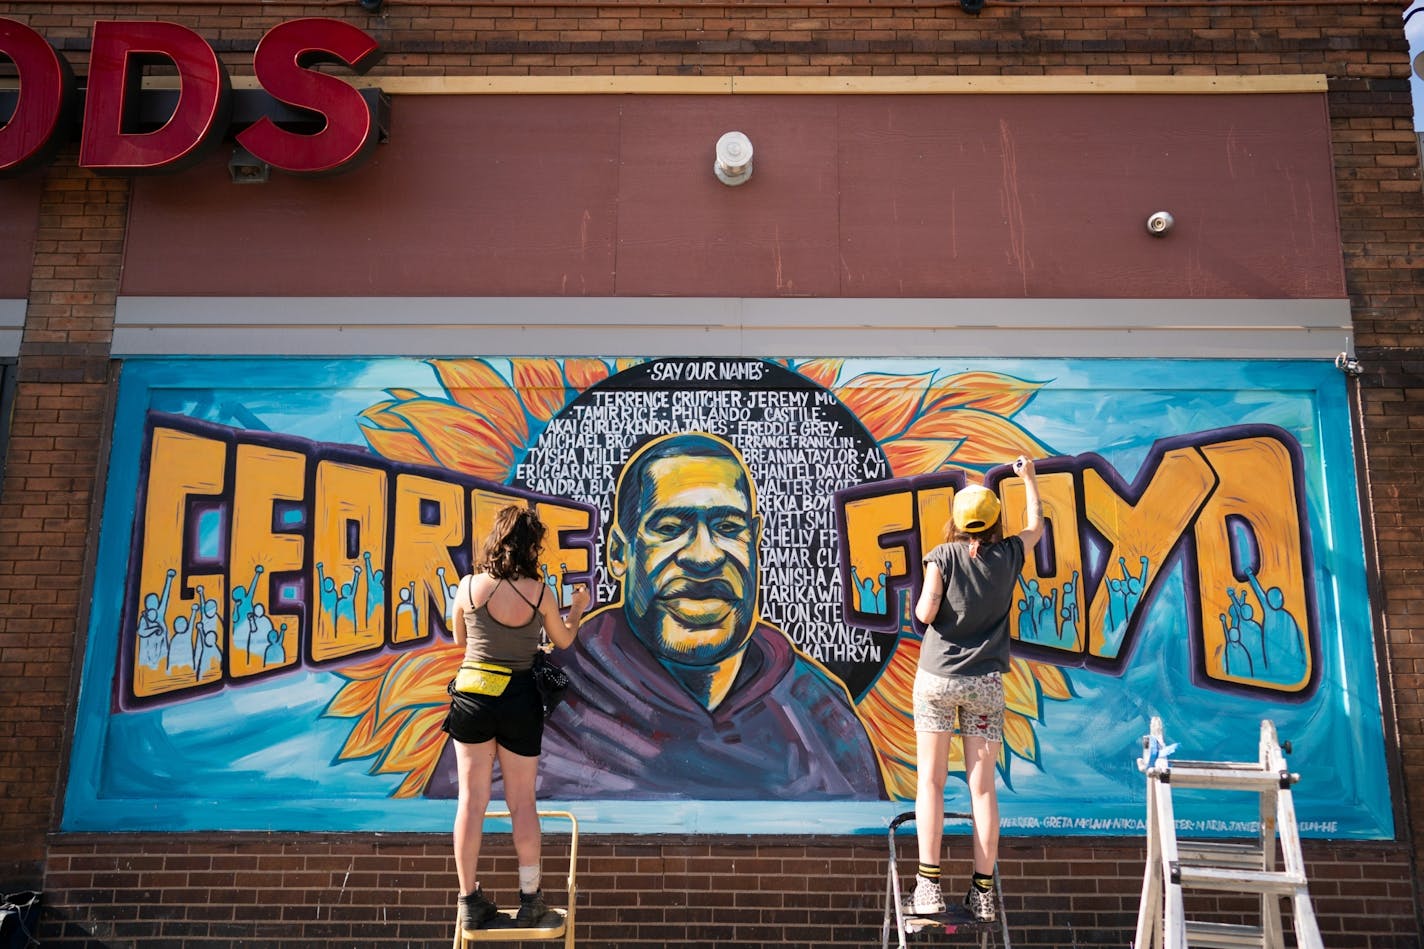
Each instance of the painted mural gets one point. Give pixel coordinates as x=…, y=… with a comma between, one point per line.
x=282, y=539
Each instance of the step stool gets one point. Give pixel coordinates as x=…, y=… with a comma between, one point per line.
x=1174, y=866
x=900, y=914
x=558, y=923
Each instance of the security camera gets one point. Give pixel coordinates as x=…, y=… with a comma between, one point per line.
x=1159, y=223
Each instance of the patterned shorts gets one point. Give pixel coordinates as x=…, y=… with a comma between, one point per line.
x=969, y=705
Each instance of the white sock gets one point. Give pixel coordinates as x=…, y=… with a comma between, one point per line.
x=529, y=879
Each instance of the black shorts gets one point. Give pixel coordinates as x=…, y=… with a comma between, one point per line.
x=514, y=718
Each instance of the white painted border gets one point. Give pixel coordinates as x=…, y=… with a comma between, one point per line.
x=661, y=326
x=12, y=327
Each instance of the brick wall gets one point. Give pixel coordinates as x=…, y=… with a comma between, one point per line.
x=47, y=502
x=155, y=890
x=306, y=890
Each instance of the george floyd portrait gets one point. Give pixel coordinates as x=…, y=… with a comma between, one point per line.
x=680, y=683
x=717, y=661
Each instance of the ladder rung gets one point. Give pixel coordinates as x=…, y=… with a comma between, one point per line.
x=1253, y=780
x=505, y=929
x=1215, y=765
x=1223, y=935
x=1219, y=853
x=1251, y=881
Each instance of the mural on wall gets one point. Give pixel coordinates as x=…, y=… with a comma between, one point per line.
x=282, y=540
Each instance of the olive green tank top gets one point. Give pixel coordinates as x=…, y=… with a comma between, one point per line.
x=489, y=640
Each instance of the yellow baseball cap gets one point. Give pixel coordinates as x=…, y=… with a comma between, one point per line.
x=976, y=509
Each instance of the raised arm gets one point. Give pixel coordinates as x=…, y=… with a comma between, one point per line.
x=1033, y=507
x=561, y=629
x=931, y=594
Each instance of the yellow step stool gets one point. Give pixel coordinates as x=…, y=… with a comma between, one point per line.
x=558, y=923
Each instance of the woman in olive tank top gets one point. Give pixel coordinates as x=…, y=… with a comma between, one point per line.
x=495, y=708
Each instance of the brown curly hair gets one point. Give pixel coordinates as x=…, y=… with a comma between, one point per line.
x=512, y=548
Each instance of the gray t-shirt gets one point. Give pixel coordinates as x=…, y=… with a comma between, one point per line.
x=970, y=633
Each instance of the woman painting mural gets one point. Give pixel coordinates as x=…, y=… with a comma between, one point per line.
x=495, y=708
x=968, y=588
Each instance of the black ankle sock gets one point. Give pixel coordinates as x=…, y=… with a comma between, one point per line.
x=983, y=882
x=930, y=872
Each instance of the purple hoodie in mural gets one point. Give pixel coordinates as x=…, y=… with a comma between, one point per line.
x=628, y=730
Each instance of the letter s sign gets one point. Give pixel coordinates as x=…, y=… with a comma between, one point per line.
x=282, y=64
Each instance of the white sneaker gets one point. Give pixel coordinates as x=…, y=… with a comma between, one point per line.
x=928, y=899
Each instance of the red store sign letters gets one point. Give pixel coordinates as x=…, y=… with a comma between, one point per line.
x=111, y=141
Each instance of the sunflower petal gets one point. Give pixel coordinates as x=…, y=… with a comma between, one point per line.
x=399, y=724
x=353, y=698
x=457, y=438
x=885, y=709
x=420, y=749
x=583, y=374
x=541, y=385
x=397, y=446
x=986, y=391
x=884, y=402
x=1021, y=689
x=823, y=372
x=420, y=679
x=1020, y=737
x=370, y=738
x=987, y=439
x=918, y=456
x=1053, y=682
x=474, y=384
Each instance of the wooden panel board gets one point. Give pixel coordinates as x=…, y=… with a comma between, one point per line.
x=511, y=195
x=946, y=196
x=19, y=221
x=683, y=232
x=1048, y=196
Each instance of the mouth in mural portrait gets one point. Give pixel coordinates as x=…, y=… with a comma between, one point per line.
x=699, y=604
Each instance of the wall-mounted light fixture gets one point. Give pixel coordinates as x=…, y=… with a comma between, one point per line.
x=1160, y=222
x=734, y=159
x=371, y=6
x=246, y=168
x=1349, y=365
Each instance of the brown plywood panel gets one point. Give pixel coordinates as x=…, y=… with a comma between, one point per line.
x=1030, y=196
x=1047, y=196
x=19, y=222
x=472, y=195
x=683, y=232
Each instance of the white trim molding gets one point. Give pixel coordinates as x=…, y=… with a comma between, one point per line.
x=12, y=327
x=661, y=326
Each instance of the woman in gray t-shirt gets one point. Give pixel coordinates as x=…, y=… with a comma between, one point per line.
x=968, y=588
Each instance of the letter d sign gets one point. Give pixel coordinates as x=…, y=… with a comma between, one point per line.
x=110, y=142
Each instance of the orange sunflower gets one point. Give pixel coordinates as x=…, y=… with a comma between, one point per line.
x=485, y=421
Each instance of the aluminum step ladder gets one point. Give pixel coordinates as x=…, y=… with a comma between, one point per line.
x=557, y=924
x=900, y=914
x=1225, y=866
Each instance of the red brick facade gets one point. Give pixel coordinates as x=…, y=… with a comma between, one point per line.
x=305, y=890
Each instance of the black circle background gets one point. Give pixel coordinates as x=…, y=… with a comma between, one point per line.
x=596, y=433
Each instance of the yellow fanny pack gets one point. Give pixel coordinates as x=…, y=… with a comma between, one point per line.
x=482, y=678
